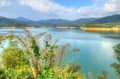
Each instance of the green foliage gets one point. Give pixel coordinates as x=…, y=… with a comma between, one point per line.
x=26, y=58
x=35, y=47
x=23, y=72
x=116, y=67
x=13, y=56
x=46, y=74
x=2, y=74
x=73, y=67
x=103, y=75
x=117, y=56
x=10, y=73
x=117, y=52
x=104, y=25
x=108, y=19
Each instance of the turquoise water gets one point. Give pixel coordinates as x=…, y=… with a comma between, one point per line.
x=96, y=49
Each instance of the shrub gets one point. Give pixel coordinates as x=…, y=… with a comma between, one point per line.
x=29, y=58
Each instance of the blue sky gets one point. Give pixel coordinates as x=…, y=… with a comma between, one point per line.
x=58, y=9
x=74, y=3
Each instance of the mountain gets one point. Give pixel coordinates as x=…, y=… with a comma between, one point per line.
x=23, y=19
x=11, y=22
x=20, y=21
x=82, y=21
x=5, y=22
x=108, y=19
x=60, y=22
x=56, y=22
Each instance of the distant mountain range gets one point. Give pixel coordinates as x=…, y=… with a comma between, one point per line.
x=21, y=21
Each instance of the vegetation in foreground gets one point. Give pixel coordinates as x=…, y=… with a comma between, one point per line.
x=26, y=57
x=39, y=57
x=116, y=65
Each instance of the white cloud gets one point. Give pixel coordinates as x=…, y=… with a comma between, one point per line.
x=50, y=7
x=99, y=8
x=45, y=6
x=40, y=5
x=110, y=7
x=4, y=3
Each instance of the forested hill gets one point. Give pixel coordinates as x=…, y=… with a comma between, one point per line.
x=11, y=22
x=21, y=21
x=108, y=21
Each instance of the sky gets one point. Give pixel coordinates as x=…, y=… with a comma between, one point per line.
x=58, y=9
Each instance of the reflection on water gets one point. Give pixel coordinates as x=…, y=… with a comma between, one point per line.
x=96, y=49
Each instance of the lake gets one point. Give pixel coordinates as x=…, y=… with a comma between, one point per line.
x=96, y=49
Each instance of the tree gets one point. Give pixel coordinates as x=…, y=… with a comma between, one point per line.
x=117, y=56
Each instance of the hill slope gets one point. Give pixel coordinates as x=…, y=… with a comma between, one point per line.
x=82, y=21
x=108, y=19
x=11, y=22
x=96, y=22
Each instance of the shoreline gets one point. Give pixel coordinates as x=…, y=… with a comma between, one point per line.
x=95, y=29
